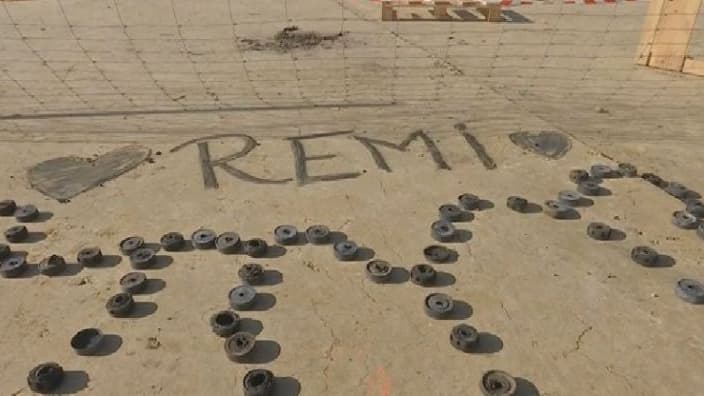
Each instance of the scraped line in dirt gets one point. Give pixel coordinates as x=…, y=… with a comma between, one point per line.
x=41, y=116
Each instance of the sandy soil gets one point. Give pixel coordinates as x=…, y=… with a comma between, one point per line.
x=566, y=314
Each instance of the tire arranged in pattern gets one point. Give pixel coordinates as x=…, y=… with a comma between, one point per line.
x=16, y=234
x=690, y=290
x=26, y=213
x=4, y=251
x=143, y=258
x=469, y=201
x=13, y=266
x=256, y=247
x=450, y=212
x=172, y=241
x=131, y=244
x=568, y=197
x=423, y=274
x=346, y=250
x=644, y=256
x=684, y=220
x=464, y=337
x=601, y=171
x=516, y=203
x=627, y=170
x=286, y=234
x=228, y=243
x=86, y=342
x=442, y=231
x=696, y=208
x=90, y=256
x=133, y=282
x=437, y=253
x=378, y=271
x=438, y=305
x=224, y=323
x=203, y=239
x=251, y=273
x=677, y=190
x=45, y=377
x=589, y=188
x=599, y=231
x=7, y=207
x=258, y=382
x=654, y=179
x=239, y=345
x=557, y=210
x=577, y=176
x=497, y=383
x=52, y=265
x=242, y=297
x=120, y=305
x=318, y=234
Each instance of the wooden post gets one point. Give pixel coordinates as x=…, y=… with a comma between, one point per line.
x=666, y=33
x=387, y=11
x=693, y=66
x=440, y=9
x=649, y=25
x=491, y=11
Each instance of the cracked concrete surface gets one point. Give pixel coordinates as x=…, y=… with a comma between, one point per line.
x=337, y=331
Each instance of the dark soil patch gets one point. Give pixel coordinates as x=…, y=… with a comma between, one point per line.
x=290, y=38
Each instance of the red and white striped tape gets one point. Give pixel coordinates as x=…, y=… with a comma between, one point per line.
x=514, y=3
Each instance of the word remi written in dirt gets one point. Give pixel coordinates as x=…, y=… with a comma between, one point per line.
x=301, y=157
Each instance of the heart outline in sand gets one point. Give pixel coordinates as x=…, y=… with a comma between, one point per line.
x=549, y=144
x=63, y=178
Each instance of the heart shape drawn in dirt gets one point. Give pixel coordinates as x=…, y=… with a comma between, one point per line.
x=549, y=144
x=65, y=177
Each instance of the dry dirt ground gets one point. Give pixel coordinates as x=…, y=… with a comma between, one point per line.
x=566, y=314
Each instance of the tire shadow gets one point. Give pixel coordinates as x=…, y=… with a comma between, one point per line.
x=526, y=388
x=142, y=309
x=111, y=344
x=250, y=325
x=74, y=381
x=264, y=351
x=461, y=311
x=286, y=386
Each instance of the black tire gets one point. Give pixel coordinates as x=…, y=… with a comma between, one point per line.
x=423, y=275
x=131, y=244
x=497, y=383
x=52, y=265
x=258, y=382
x=120, y=305
x=239, y=346
x=45, y=377
x=133, y=282
x=224, y=323
x=16, y=234
x=90, y=256
x=438, y=305
x=87, y=342
x=172, y=241
x=26, y=213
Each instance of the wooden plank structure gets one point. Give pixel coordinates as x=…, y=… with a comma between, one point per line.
x=667, y=31
x=491, y=9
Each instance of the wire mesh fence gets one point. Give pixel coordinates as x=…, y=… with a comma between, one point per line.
x=62, y=56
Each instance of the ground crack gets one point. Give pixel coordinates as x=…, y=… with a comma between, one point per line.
x=335, y=341
x=578, y=341
x=505, y=311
